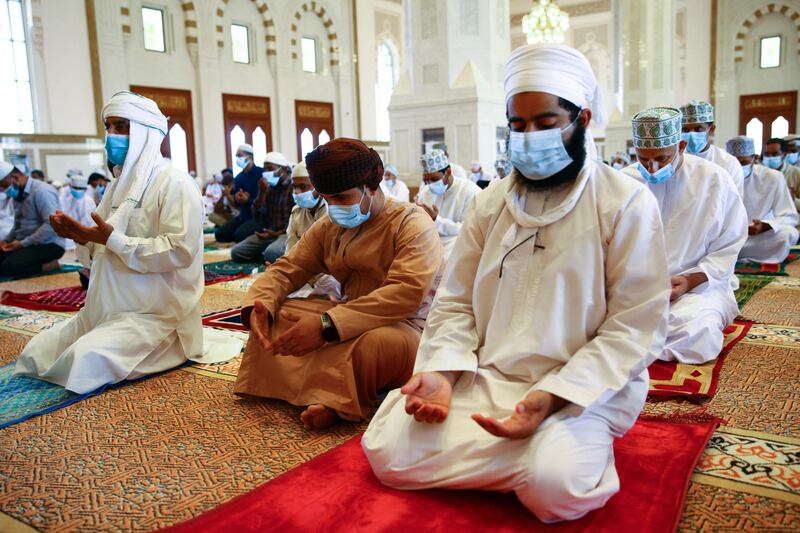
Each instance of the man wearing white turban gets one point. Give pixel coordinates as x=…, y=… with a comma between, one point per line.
x=142, y=312
x=534, y=356
x=76, y=202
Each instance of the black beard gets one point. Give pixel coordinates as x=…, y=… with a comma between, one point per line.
x=576, y=150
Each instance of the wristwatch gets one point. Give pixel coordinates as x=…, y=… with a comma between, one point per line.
x=329, y=332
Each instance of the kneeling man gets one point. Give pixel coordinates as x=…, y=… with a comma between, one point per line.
x=334, y=357
x=534, y=357
x=142, y=312
x=705, y=227
x=770, y=209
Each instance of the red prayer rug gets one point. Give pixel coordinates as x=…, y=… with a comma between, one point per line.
x=670, y=379
x=337, y=491
x=229, y=319
x=765, y=269
x=66, y=299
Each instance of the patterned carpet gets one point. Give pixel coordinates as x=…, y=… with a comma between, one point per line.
x=162, y=450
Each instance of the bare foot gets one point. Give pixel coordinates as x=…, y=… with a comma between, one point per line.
x=51, y=265
x=318, y=416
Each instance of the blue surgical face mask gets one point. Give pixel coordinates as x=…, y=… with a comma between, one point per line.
x=539, y=154
x=306, y=200
x=77, y=194
x=13, y=192
x=618, y=166
x=117, y=148
x=772, y=161
x=271, y=177
x=792, y=158
x=349, y=216
x=242, y=161
x=661, y=175
x=100, y=189
x=438, y=187
x=697, y=140
x=747, y=170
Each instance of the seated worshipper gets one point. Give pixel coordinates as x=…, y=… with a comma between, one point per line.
x=458, y=170
x=272, y=207
x=770, y=209
x=142, y=312
x=393, y=186
x=697, y=127
x=64, y=191
x=334, y=358
x=705, y=227
x=31, y=246
x=478, y=176
x=445, y=197
x=792, y=150
x=534, y=356
x=97, y=185
x=77, y=204
x=212, y=193
x=6, y=204
x=620, y=161
x=309, y=206
x=502, y=166
x=242, y=195
x=223, y=211
x=773, y=157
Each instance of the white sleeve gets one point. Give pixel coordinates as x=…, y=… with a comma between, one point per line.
x=180, y=238
x=784, y=211
x=450, y=339
x=637, y=300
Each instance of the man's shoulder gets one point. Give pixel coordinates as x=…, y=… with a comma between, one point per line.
x=467, y=186
x=408, y=215
x=616, y=189
x=769, y=175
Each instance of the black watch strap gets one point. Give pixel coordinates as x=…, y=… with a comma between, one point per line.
x=329, y=331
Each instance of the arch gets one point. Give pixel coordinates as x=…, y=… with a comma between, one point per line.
x=316, y=8
x=747, y=24
x=266, y=16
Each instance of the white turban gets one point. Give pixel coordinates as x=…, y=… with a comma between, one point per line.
x=5, y=169
x=79, y=181
x=148, y=126
x=556, y=69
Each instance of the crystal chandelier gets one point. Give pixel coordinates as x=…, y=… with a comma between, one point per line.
x=546, y=23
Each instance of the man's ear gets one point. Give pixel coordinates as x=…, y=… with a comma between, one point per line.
x=586, y=117
x=711, y=129
x=682, y=146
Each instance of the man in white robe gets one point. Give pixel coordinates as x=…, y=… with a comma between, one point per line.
x=551, y=309
x=770, y=209
x=142, y=312
x=774, y=156
x=444, y=197
x=697, y=127
x=393, y=186
x=77, y=203
x=705, y=227
x=6, y=202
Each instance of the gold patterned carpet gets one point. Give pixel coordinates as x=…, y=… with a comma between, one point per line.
x=164, y=449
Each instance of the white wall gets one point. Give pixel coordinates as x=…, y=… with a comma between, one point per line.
x=62, y=73
x=735, y=79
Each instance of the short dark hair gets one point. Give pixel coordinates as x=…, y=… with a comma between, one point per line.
x=94, y=176
x=228, y=170
x=35, y=171
x=777, y=140
x=570, y=107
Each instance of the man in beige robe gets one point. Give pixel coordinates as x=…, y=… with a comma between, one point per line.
x=333, y=358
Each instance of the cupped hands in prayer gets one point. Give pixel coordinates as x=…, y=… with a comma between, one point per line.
x=527, y=417
x=304, y=336
x=428, y=396
x=69, y=228
x=432, y=210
